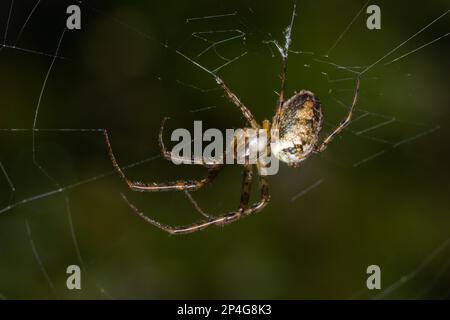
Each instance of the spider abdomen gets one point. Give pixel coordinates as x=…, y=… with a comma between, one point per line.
x=298, y=123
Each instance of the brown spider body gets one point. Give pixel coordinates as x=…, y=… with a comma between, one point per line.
x=298, y=123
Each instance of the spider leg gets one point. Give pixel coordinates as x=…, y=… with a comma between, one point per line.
x=169, y=157
x=246, y=186
x=344, y=123
x=196, y=206
x=181, y=185
x=228, y=218
x=245, y=192
x=281, y=98
x=284, y=56
x=166, y=154
x=245, y=111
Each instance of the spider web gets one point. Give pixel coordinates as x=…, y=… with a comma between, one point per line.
x=215, y=43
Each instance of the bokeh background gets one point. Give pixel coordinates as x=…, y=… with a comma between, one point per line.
x=327, y=221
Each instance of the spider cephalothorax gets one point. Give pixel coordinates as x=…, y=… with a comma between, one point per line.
x=298, y=123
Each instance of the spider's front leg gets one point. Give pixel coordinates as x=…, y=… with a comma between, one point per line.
x=190, y=185
x=281, y=98
x=233, y=98
x=192, y=161
x=245, y=193
x=344, y=123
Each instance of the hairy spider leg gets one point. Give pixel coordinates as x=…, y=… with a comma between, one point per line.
x=170, y=157
x=344, y=123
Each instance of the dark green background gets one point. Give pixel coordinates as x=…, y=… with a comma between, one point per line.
x=392, y=211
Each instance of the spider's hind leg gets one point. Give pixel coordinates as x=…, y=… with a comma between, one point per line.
x=245, y=193
x=169, y=157
x=190, y=185
x=228, y=218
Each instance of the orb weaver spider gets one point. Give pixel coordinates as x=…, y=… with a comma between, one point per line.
x=298, y=121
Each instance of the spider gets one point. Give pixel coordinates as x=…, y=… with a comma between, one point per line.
x=298, y=121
